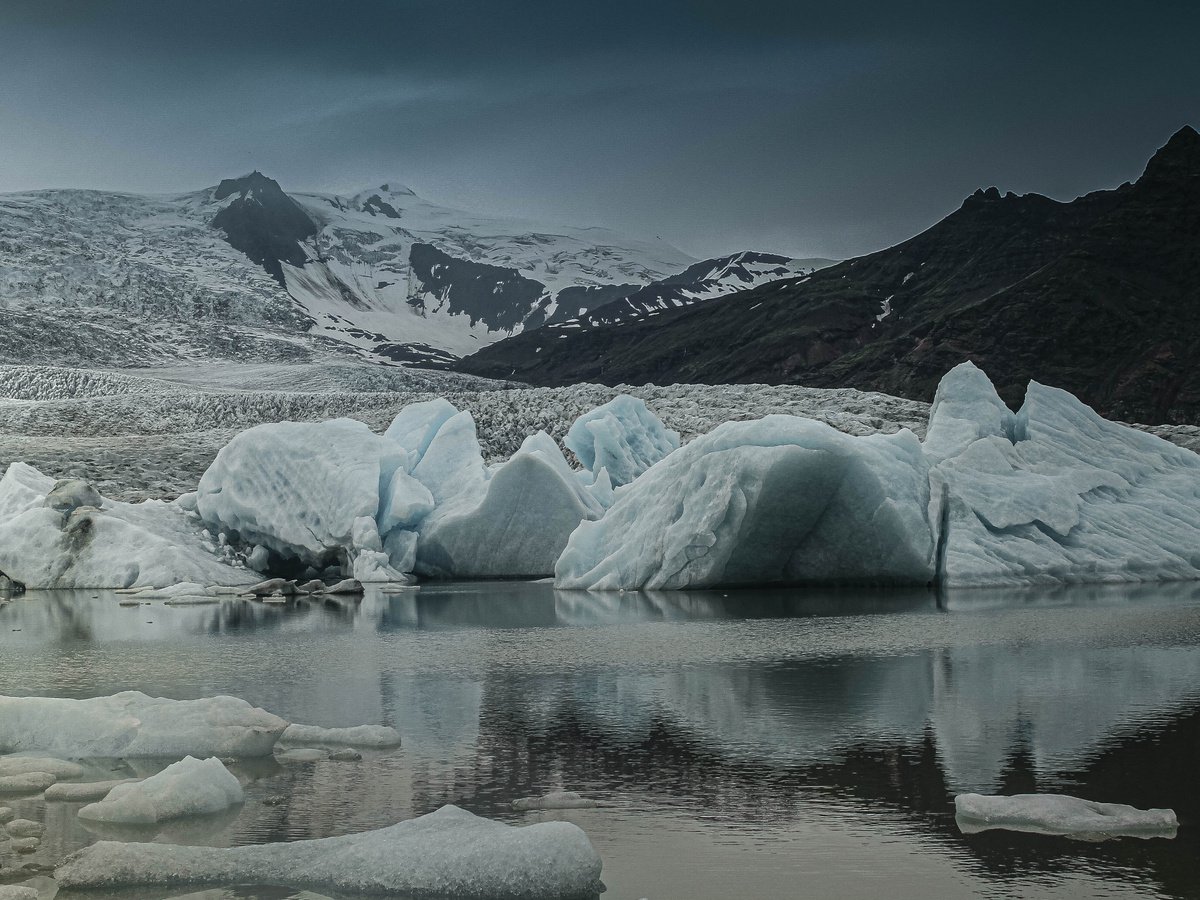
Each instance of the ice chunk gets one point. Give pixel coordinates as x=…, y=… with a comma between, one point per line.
x=622, y=436
x=302, y=754
x=115, y=546
x=405, y=503
x=415, y=426
x=70, y=494
x=372, y=736
x=1060, y=814
x=531, y=505
x=132, y=724
x=83, y=792
x=190, y=787
x=451, y=467
x=21, y=765
x=6, y=814
x=28, y=783
x=18, y=892
x=780, y=499
x=24, y=828
x=555, y=800
x=447, y=853
x=1055, y=493
x=299, y=488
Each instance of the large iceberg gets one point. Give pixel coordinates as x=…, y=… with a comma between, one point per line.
x=63, y=535
x=308, y=491
x=623, y=437
x=780, y=499
x=132, y=724
x=1062, y=815
x=190, y=787
x=1052, y=493
x=447, y=853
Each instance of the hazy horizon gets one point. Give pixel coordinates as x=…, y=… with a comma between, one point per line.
x=799, y=129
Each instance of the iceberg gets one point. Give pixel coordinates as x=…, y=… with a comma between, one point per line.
x=18, y=892
x=26, y=783
x=1055, y=493
x=447, y=853
x=22, y=765
x=25, y=828
x=369, y=736
x=48, y=542
x=189, y=787
x=622, y=437
x=518, y=527
x=131, y=724
x=780, y=499
x=1061, y=815
x=308, y=491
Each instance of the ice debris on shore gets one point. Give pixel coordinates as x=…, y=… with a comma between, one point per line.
x=1059, y=814
x=1052, y=493
x=449, y=853
x=131, y=724
x=189, y=787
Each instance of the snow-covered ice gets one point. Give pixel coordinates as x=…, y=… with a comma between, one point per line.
x=555, y=800
x=447, y=853
x=369, y=736
x=190, y=787
x=131, y=724
x=1062, y=815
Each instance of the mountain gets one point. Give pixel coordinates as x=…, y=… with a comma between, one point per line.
x=1100, y=295
x=246, y=271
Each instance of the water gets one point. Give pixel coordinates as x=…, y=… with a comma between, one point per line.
x=755, y=744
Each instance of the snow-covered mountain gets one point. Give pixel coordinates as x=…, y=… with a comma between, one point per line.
x=246, y=271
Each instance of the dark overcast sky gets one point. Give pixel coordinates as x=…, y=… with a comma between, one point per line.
x=825, y=129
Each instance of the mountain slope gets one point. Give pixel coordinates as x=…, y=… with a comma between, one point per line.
x=1098, y=296
x=247, y=271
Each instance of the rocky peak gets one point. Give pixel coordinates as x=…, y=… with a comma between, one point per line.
x=1178, y=158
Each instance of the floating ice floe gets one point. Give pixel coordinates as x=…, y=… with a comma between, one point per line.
x=447, y=853
x=48, y=542
x=555, y=800
x=24, y=828
x=368, y=736
x=27, y=783
x=18, y=892
x=190, y=787
x=84, y=791
x=1061, y=815
x=21, y=765
x=132, y=724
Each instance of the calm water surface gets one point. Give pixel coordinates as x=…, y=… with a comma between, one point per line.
x=756, y=744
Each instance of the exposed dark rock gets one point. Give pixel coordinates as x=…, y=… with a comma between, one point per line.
x=263, y=222
x=1100, y=296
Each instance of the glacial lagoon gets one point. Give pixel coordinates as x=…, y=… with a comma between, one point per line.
x=752, y=744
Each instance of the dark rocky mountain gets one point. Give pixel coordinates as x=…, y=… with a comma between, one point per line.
x=263, y=222
x=1100, y=295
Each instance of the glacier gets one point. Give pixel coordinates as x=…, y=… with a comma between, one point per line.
x=446, y=853
x=190, y=787
x=1061, y=815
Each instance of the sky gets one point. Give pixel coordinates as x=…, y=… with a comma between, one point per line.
x=829, y=129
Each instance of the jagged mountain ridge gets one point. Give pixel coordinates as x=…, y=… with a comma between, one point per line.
x=1097, y=295
x=247, y=271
